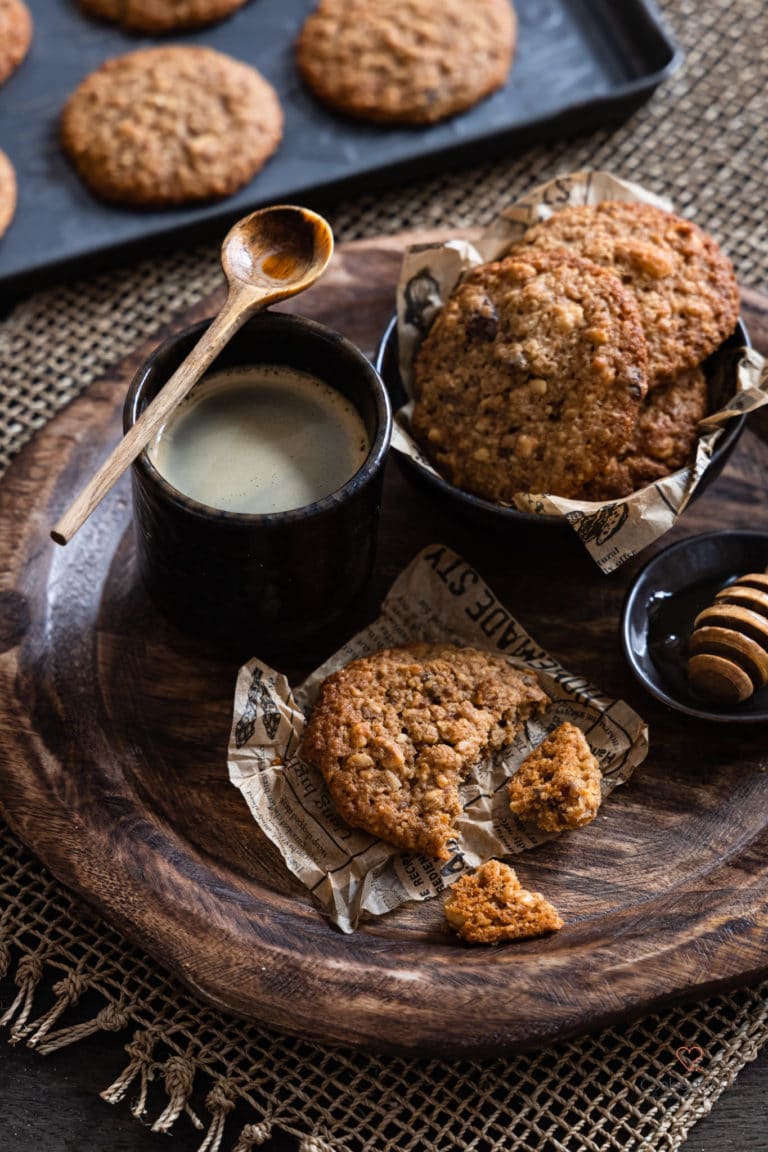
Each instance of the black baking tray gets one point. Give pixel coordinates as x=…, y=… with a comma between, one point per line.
x=580, y=64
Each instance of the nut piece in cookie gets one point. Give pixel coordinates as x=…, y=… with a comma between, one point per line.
x=558, y=786
x=169, y=125
x=490, y=906
x=531, y=377
x=408, y=61
x=160, y=15
x=664, y=439
x=684, y=283
x=395, y=733
x=15, y=36
x=7, y=192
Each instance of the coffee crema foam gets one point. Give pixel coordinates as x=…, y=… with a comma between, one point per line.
x=260, y=440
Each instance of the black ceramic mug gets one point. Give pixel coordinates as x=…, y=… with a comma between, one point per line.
x=262, y=582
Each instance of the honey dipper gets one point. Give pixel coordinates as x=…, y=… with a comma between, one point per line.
x=728, y=649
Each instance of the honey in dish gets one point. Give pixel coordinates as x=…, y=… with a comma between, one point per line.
x=260, y=440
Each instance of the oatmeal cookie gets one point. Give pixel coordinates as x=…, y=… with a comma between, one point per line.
x=684, y=283
x=394, y=734
x=169, y=125
x=410, y=61
x=531, y=377
x=664, y=440
x=557, y=787
x=15, y=36
x=490, y=906
x=7, y=192
x=160, y=16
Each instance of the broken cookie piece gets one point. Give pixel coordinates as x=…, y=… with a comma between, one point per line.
x=394, y=735
x=490, y=905
x=558, y=786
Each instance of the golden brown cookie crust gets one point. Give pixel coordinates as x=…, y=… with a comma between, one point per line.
x=15, y=36
x=7, y=192
x=490, y=906
x=394, y=734
x=684, y=283
x=409, y=61
x=169, y=125
x=557, y=787
x=160, y=16
x=664, y=440
x=531, y=377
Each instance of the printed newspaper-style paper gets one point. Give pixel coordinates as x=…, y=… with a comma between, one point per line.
x=439, y=598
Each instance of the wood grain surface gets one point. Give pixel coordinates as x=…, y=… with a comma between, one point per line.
x=113, y=732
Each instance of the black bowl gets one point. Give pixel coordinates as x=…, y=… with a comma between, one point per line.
x=663, y=601
x=721, y=376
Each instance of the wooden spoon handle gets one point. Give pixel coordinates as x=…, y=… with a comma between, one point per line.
x=238, y=308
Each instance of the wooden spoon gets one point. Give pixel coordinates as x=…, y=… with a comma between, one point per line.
x=268, y=256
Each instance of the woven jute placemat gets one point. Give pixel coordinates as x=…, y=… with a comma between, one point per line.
x=702, y=142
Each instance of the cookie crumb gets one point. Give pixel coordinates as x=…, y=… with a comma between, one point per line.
x=490, y=906
x=557, y=787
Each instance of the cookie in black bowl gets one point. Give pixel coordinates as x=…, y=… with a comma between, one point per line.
x=720, y=370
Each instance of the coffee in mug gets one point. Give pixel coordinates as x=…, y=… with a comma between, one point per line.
x=261, y=440
x=272, y=581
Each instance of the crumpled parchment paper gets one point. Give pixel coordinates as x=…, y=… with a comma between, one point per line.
x=438, y=598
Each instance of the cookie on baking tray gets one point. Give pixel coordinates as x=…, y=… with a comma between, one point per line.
x=532, y=376
x=7, y=192
x=490, y=906
x=394, y=734
x=409, y=61
x=664, y=440
x=160, y=16
x=557, y=787
x=169, y=125
x=683, y=281
x=15, y=36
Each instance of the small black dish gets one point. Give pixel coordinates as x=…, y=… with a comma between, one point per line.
x=721, y=376
x=661, y=605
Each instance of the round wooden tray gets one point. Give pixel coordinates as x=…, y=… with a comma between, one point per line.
x=113, y=734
